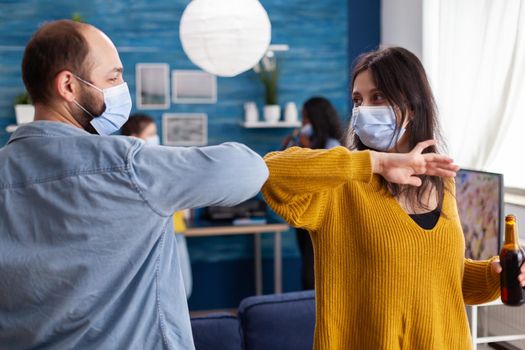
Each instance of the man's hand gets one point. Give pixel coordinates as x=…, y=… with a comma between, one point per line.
x=402, y=168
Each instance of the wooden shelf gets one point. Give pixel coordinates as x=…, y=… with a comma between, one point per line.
x=263, y=124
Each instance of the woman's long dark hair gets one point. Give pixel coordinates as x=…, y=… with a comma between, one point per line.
x=400, y=76
x=325, y=121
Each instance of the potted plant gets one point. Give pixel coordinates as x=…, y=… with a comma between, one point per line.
x=24, y=110
x=268, y=72
x=77, y=17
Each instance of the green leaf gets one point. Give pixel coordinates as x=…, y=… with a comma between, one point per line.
x=23, y=99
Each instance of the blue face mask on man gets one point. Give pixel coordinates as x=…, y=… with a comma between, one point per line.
x=117, y=100
x=376, y=126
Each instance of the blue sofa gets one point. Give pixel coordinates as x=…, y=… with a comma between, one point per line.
x=276, y=322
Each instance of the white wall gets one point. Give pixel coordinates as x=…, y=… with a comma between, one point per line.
x=519, y=211
x=402, y=25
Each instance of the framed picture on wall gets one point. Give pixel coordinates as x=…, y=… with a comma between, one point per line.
x=185, y=129
x=152, y=85
x=193, y=86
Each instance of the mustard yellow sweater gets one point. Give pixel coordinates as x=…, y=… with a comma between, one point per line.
x=382, y=282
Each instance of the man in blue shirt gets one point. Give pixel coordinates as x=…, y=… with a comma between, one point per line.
x=87, y=252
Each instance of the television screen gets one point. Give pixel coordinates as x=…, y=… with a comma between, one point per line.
x=479, y=197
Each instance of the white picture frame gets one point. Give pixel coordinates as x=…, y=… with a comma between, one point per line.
x=193, y=87
x=185, y=129
x=152, y=85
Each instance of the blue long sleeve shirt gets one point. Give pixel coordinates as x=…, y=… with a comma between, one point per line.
x=87, y=251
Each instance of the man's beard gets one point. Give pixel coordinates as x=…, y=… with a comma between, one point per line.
x=93, y=103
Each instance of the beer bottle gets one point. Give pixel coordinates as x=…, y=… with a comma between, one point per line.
x=511, y=258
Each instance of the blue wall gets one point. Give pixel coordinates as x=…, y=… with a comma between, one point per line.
x=323, y=43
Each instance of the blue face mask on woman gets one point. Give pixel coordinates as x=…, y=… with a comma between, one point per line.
x=376, y=126
x=118, y=106
x=307, y=130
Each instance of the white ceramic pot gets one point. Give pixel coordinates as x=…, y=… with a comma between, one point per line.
x=290, y=113
x=24, y=114
x=251, y=114
x=272, y=113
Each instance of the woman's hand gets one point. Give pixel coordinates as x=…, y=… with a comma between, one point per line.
x=304, y=141
x=496, y=269
x=290, y=140
x=402, y=168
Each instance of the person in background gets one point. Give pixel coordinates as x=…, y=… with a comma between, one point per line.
x=88, y=258
x=143, y=126
x=321, y=130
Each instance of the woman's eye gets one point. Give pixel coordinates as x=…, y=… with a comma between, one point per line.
x=378, y=97
x=356, y=101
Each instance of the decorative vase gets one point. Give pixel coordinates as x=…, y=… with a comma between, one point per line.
x=272, y=113
x=24, y=114
x=290, y=113
x=251, y=114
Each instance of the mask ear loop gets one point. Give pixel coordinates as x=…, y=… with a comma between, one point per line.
x=85, y=110
x=88, y=83
x=93, y=86
x=354, y=117
x=395, y=138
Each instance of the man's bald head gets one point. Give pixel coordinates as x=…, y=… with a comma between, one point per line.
x=66, y=67
x=55, y=47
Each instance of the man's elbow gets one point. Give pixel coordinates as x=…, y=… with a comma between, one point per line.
x=246, y=171
x=255, y=177
x=253, y=164
x=263, y=172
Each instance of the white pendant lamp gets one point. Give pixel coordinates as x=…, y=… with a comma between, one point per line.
x=225, y=37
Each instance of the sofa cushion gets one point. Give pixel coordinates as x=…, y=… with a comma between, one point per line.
x=279, y=321
x=217, y=332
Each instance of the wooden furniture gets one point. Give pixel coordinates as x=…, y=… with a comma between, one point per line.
x=256, y=230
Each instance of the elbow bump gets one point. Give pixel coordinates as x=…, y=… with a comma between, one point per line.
x=265, y=173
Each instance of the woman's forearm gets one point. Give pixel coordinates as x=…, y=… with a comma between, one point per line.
x=299, y=170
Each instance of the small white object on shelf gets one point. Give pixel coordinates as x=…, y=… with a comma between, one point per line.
x=24, y=114
x=272, y=113
x=11, y=128
x=291, y=114
x=264, y=124
x=251, y=114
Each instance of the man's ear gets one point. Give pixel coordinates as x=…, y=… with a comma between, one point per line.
x=66, y=85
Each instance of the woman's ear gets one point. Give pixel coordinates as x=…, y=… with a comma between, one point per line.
x=409, y=116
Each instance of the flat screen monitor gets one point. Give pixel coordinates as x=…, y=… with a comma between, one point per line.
x=479, y=197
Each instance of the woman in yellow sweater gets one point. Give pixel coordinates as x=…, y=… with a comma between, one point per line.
x=390, y=271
